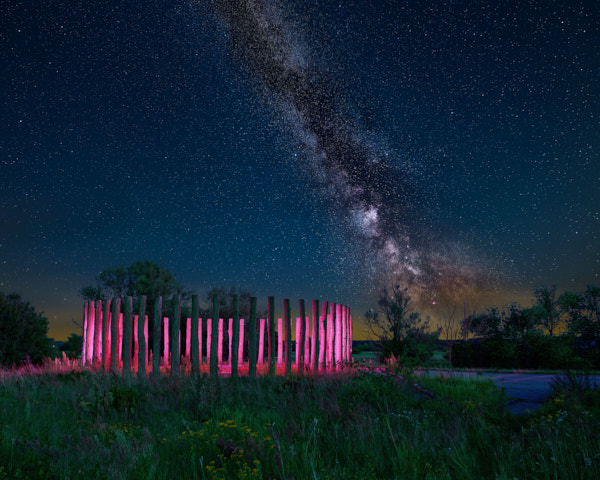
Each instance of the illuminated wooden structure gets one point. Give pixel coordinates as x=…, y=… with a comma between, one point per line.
x=322, y=342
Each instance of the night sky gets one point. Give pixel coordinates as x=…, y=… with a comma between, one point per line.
x=301, y=149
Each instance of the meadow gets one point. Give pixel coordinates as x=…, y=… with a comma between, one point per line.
x=360, y=424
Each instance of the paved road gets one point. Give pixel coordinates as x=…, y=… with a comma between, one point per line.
x=526, y=391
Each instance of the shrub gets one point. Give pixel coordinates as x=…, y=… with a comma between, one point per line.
x=22, y=332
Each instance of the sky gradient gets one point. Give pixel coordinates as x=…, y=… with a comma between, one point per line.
x=302, y=149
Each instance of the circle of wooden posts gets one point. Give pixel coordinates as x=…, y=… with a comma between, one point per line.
x=115, y=339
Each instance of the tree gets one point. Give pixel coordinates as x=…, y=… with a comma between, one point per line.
x=400, y=332
x=488, y=324
x=73, y=346
x=546, y=300
x=23, y=332
x=453, y=329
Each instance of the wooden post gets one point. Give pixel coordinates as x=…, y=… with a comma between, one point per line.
x=157, y=320
x=280, y=351
x=344, y=338
x=261, y=342
x=235, y=337
x=98, y=336
x=300, y=343
x=214, y=366
x=240, y=357
x=166, y=343
x=85, y=332
x=351, y=335
x=220, y=343
x=332, y=337
x=307, y=343
x=314, y=357
x=195, y=340
x=136, y=345
x=147, y=342
x=272, y=338
x=252, y=339
x=229, y=339
x=114, y=333
x=200, y=321
x=323, y=334
x=127, y=319
x=90, y=333
x=288, y=336
x=106, y=337
x=142, y=338
x=188, y=339
x=175, y=334
x=208, y=338
x=338, y=336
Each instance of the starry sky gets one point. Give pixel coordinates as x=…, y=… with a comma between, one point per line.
x=301, y=149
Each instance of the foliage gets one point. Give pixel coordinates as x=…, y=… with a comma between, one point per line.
x=548, y=307
x=23, y=332
x=139, y=278
x=73, y=346
x=400, y=332
x=532, y=351
x=364, y=426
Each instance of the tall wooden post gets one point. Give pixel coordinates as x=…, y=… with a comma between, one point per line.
x=85, y=334
x=261, y=342
x=300, y=342
x=114, y=333
x=195, y=343
x=214, y=365
x=127, y=320
x=106, y=337
x=157, y=321
x=208, y=339
x=252, y=339
x=344, y=338
x=240, y=357
x=338, y=336
x=220, y=343
x=235, y=336
x=136, y=345
x=314, y=353
x=280, y=345
x=334, y=310
x=272, y=337
x=142, y=338
x=175, y=320
x=166, y=343
x=98, y=336
x=323, y=333
x=288, y=336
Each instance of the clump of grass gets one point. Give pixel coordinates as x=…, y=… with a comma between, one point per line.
x=356, y=425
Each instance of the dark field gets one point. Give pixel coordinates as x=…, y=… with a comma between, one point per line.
x=358, y=425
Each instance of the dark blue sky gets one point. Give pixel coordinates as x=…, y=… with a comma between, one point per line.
x=452, y=145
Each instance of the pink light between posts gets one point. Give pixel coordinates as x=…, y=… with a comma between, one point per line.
x=326, y=341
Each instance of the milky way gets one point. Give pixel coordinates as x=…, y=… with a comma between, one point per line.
x=379, y=200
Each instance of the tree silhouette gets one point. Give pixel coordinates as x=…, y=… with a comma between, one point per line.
x=23, y=332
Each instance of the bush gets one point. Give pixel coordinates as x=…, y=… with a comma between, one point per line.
x=532, y=351
x=22, y=332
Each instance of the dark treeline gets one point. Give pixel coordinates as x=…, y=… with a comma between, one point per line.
x=557, y=331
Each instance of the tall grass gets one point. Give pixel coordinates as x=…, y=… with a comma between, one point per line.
x=353, y=426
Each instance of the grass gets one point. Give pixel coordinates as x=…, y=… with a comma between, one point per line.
x=77, y=424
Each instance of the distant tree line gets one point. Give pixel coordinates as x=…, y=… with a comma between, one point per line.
x=557, y=331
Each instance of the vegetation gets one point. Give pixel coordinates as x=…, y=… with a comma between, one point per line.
x=364, y=425
x=73, y=346
x=556, y=332
x=23, y=332
x=400, y=332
